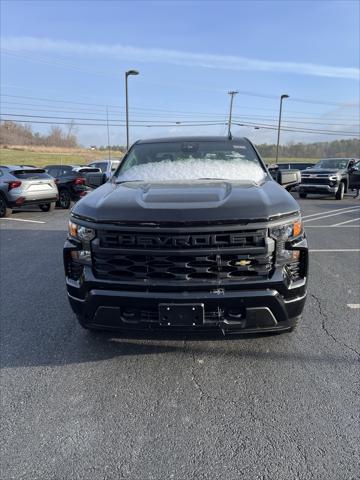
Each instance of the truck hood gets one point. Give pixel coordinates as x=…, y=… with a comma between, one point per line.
x=200, y=201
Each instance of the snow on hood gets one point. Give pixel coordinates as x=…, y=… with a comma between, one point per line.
x=193, y=169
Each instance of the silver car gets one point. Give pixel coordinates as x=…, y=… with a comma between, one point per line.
x=106, y=166
x=22, y=185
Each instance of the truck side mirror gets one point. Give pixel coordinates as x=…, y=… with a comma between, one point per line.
x=287, y=177
x=95, y=180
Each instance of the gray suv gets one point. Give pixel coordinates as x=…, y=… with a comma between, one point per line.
x=22, y=185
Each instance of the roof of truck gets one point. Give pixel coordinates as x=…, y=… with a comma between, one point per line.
x=191, y=139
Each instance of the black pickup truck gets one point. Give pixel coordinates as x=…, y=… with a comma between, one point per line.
x=190, y=234
x=331, y=176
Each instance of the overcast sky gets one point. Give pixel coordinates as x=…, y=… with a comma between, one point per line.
x=67, y=60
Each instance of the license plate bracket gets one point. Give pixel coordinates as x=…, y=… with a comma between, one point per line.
x=181, y=314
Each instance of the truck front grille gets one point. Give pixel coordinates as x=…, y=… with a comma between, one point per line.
x=315, y=181
x=194, y=257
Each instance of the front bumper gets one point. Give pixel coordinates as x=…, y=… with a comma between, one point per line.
x=24, y=201
x=264, y=305
x=304, y=188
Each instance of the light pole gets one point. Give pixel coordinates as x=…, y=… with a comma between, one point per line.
x=278, y=137
x=232, y=93
x=129, y=72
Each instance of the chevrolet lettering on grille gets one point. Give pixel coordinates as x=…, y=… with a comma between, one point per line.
x=129, y=240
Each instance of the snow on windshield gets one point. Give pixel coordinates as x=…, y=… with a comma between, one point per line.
x=193, y=168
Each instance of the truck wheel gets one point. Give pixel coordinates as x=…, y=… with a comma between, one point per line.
x=5, y=211
x=302, y=195
x=339, y=195
x=64, y=199
x=47, y=207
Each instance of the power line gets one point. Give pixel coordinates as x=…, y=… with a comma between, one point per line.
x=289, y=118
x=172, y=122
x=260, y=126
x=120, y=107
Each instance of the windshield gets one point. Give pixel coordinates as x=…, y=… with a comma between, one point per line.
x=336, y=163
x=189, y=160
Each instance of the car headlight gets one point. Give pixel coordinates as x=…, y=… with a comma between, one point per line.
x=333, y=177
x=79, y=232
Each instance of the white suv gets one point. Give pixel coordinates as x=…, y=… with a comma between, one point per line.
x=22, y=185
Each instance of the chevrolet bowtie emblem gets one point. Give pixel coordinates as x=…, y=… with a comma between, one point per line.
x=243, y=263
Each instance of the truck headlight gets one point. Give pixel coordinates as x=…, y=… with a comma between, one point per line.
x=79, y=232
x=287, y=231
x=282, y=234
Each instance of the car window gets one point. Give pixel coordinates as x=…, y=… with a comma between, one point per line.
x=335, y=163
x=33, y=174
x=101, y=165
x=356, y=166
x=52, y=171
x=66, y=170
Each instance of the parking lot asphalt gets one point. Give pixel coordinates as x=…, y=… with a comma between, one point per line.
x=77, y=405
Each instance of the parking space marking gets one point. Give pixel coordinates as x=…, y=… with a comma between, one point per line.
x=335, y=250
x=329, y=211
x=353, y=305
x=22, y=220
x=333, y=226
x=347, y=221
x=322, y=216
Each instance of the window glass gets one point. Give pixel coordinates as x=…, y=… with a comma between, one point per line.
x=33, y=174
x=192, y=160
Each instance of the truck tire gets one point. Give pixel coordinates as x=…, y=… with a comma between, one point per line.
x=64, y=199
x=339, y=195
x=302, y=195
x=47, y=207
x=5, y=211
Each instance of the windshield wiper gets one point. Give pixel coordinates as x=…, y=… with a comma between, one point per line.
x=128, y=181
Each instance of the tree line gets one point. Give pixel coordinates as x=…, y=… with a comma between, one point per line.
x=335, y=148
x=12, y=133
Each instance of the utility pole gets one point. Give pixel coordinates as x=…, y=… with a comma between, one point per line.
x=107, y=125
x=129, y=72
x=232, y=93
x=279, y=126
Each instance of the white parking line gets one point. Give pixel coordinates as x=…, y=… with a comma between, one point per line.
x=354, y=209
x=347, y=221
x=335, y=250
x=353, y=305
x=332, y=226
x=22, y=220
x=329, y=211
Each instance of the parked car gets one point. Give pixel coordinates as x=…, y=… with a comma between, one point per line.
x=191, y=233
x=106, y=166
x=334, y=176
x=20, y=186
x=70, y=182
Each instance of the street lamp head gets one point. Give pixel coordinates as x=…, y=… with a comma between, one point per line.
x=284, y=96
x=132, y=72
